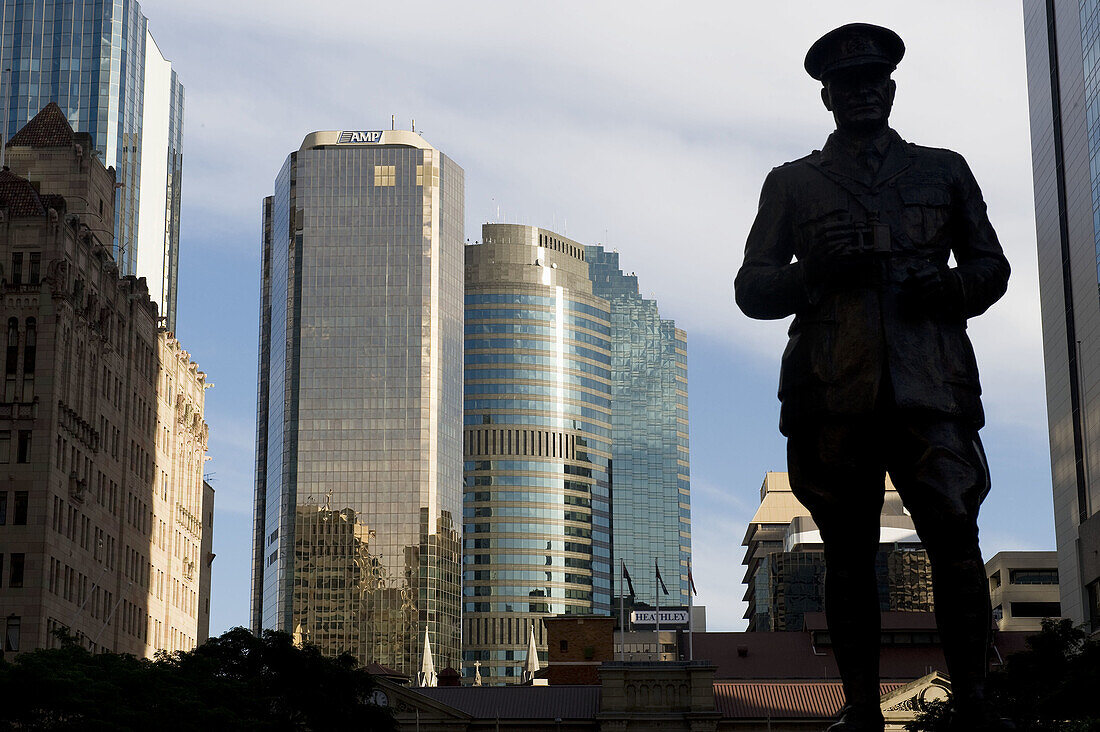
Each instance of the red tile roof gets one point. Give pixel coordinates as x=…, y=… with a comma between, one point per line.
x=519, y=702
x=783, y=700
x=792, y=656
x=18, y=196
x=48, y=128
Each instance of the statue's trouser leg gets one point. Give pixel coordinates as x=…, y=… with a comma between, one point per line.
x=940, y=471
x=835, y=471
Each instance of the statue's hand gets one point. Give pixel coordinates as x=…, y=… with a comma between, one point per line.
x=933, y=291
x=836, y=259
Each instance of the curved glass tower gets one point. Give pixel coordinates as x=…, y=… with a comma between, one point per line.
x=358, y=454
x=536, y=445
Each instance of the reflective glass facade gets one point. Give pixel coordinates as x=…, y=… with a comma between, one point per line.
x=92, y=58
x=651, y=501
x=1063, y=73
x=357, y=538
x=536, y=444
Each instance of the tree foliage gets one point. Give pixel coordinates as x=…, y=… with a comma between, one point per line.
x=1053, y=686
x=236, y=681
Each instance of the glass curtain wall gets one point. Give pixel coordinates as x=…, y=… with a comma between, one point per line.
x=536, y=443
x=357, y=541
x=649, y=425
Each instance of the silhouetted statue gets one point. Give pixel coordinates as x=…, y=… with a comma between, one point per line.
x=879, y=374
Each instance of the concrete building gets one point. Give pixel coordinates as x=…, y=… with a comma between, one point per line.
x=360, y=400
x=785, y=562
x=1023, y=588
x=651, y=496
x=1063, y=95
x=537, y=444
x=101, y=427
x=98, y=61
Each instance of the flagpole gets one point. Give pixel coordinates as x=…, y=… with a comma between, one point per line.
x=622, y=614
x=691, y=619
x=657, y=593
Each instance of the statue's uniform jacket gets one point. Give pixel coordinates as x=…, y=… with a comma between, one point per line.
x=845, y=341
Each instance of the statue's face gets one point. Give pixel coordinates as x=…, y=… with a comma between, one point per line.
x=860, y=98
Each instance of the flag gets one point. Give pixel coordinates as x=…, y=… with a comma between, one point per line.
x=659, y=580
x=626, y=576
x=692, y=583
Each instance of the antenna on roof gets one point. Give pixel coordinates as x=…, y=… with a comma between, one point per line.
x=414, y=124
x=393, y=121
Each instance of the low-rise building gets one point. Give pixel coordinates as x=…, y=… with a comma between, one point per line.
x=785, y=560
x=1023, y=589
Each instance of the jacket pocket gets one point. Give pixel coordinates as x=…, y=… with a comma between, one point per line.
x=926, y=210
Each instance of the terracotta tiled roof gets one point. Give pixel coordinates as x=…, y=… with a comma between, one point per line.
x=19, y=196
x=519, y=702
x=48, y=128
x=377, y=669
x=793, y=657
x=783, y=700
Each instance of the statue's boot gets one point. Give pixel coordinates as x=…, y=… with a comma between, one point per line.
x=859, y=718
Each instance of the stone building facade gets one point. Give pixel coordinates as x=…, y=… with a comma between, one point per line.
x=87, y=524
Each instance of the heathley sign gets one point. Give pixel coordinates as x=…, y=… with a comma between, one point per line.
x=668, y=617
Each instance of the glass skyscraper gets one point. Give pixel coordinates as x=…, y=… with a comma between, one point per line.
x=1063, y=75
x=359, y=456
x=536, y=443
x=651, y=497
x=97, y=60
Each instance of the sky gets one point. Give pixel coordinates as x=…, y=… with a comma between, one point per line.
x=647, y=127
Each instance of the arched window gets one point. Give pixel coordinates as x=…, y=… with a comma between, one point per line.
x=11, y=362
x=30, y=350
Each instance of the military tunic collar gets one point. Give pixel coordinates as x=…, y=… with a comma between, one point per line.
x=845, y=156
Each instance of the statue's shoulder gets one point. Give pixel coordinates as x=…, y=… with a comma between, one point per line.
x=939, y=155
x=799, y=164
x=794, y=170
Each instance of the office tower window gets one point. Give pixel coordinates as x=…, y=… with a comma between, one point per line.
x=11, y=634
x=15, y=569
x=1033, y=576
x=30, y=355
x=19, y=509
x=11, y=360
x=23, y=448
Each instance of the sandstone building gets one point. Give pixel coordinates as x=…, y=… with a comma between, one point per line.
x=104, y=518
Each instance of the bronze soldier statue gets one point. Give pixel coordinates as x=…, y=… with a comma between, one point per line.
x=878, y=374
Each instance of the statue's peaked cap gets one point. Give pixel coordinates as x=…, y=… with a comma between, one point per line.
x=855, y=44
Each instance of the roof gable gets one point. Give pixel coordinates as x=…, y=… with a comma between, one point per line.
x=48, y=128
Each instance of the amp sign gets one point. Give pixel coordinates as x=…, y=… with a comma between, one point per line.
x=371, y=136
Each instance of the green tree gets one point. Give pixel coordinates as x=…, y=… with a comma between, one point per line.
x=1051, y=687
x=236, y=681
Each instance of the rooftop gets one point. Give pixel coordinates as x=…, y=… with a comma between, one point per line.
x=48, y=128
